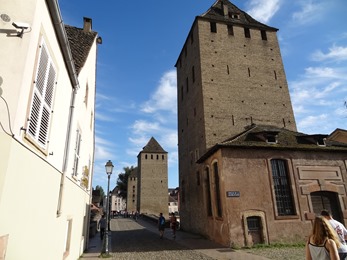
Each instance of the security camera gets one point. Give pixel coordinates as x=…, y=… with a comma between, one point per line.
x=19, y=25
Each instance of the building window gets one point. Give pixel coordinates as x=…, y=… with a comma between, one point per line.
x=77, y=153
x=263, y=35
x=157, y=156
x=208, y=192
x=86, y=95
x=42, y=99
x=146, y=156
x=187, y=85
x=247, y=33
x=181, y=92
x=217, y=190
x=275, y=74
x=193, y=74
x=198, y=178
x=162, y=157
x=152, y=156
x=230, y=29
x=213, y=27
x=281, y=184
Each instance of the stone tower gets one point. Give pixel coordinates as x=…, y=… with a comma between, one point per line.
x=230, y=75
x=152, y=187
x=132, y=191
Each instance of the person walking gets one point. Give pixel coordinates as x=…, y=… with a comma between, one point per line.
x=173, y=224
x=323, y=242
x=161, y=225
x=102, y=226
x=340, y=230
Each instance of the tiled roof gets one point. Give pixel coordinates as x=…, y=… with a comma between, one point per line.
x=240, y=18
x=80, y=44
x=153, y=147
x=270, y=137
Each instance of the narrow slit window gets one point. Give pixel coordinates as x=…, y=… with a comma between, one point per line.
x=213, y=27
x=230, y=30
x=275, y=74
x=247, y=33
x=193, y=74
x=263, y=35
x=249, y=72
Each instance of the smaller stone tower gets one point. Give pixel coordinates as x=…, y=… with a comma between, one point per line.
x=152, y=195
x=132, y=191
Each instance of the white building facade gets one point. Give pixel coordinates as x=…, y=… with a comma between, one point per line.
x=47, y=131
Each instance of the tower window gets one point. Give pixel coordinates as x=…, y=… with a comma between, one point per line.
x=181, y=92
x=213, y=27
x=247, y=33
x=275, y=75
x=230, y=29
x=263, y=35
x=193, y=74
x=187, y=85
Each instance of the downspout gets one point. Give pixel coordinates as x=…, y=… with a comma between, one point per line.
x=59, y=29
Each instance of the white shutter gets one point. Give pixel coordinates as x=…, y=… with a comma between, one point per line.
x=42, y=101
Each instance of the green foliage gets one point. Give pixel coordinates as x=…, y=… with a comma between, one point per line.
x=276, y=245
x=122, y=181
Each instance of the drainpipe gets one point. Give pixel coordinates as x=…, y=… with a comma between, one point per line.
x=66, y=51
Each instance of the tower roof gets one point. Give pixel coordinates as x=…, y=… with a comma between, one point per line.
x=153, y=147
x=225, y=11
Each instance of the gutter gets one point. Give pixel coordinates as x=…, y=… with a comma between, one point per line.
x=59, y=29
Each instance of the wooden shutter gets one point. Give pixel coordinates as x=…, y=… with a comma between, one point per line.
x=42, y=101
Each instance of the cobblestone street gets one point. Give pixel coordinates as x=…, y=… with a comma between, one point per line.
x=133, y=241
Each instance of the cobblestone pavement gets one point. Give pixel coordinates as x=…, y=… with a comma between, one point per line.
x=130, y=240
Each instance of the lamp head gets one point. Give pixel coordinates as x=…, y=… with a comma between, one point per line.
x=109, y=167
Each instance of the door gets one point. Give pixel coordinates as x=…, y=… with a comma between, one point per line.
x=255, y=229
x=326, y=200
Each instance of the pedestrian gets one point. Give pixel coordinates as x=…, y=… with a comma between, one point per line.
x=161, y=225
x=341, y=232
x=173, y=224
x=323, y=242
x=102, y=226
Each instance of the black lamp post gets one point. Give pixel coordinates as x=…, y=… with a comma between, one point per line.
x=109, y=168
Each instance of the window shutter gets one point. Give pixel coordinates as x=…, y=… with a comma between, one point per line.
x=41, y=107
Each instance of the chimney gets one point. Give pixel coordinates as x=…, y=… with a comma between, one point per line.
x=87, y=24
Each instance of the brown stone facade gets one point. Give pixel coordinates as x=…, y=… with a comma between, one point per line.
x=248, y=174
x=231, y=79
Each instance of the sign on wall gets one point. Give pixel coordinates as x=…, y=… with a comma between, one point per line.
x=231, y=194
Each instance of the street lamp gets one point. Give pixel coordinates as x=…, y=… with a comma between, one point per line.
x=109, y=167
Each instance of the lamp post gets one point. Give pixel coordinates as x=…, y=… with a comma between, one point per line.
x=109, y=167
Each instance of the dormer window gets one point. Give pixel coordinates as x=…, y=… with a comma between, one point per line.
x=271, y=139
x=321, y=142
x=234, y=15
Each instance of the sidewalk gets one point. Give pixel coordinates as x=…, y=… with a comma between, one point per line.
x=188, y=240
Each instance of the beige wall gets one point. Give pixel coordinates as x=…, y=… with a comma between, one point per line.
x=30, y=178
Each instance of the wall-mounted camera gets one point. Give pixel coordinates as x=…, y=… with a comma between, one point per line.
x=21, y=26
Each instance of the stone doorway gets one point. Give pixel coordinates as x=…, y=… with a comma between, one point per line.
x=326, y=200
x=255, y=229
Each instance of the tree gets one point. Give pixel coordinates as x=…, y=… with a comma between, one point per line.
x=102, y=193
x=122, y=181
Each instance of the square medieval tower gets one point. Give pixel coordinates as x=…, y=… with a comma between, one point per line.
x=152, y=180
x=230, y=75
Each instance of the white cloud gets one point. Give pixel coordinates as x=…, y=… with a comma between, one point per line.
x=312, y=121
x=336, y=53
x=164, y=98
x=321, y=72
x=102, y=117
x=310, y=11
x=263, y=10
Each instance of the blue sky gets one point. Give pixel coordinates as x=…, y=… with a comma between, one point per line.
x=136, y=77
